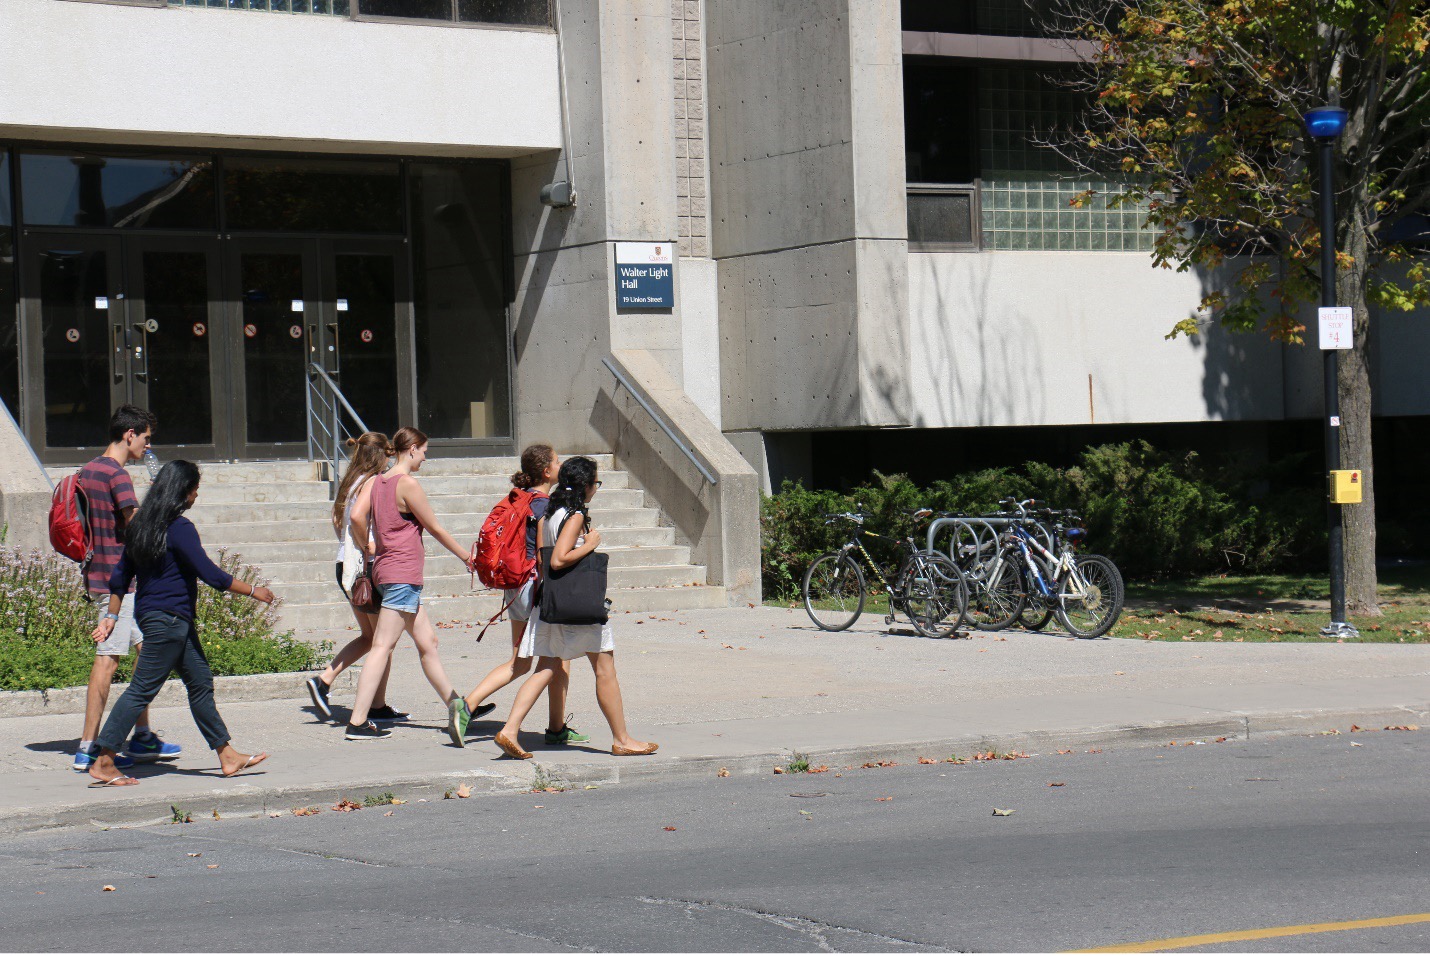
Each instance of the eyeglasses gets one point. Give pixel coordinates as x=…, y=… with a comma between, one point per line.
x=598, y=486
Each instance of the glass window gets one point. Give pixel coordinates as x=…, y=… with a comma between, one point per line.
x=306, y=195
x=413, y=9
x=940, y=121
x=937, y=16
x=9, y=317
x=532, y=13
x=535, y=13
x=941, y=219
x=459, y=299
x=83, y=189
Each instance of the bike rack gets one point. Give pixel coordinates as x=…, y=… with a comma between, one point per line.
x=980, y=534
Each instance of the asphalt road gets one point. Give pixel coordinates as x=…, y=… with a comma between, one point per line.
x=1138, y=845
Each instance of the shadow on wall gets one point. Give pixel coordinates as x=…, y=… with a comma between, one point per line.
x=1243, y=373
x=977, y=370
x=532, y=283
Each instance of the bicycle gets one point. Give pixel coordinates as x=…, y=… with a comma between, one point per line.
x=928, y=587
x=1084, y=591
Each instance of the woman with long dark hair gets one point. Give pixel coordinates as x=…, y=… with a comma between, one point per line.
x=368, y=455
x=162, y=549
x=567, y=530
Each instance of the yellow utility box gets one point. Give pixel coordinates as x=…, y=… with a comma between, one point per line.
x=1346, y=487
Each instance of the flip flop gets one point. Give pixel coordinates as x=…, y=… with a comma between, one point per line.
x=253, y=761
x=119, y=781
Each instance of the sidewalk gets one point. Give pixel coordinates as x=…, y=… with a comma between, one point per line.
x=740, y=688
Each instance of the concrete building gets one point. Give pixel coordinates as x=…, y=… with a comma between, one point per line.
x=241, y=201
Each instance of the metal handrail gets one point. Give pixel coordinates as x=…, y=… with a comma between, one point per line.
x=326, y=403
x=664, y=425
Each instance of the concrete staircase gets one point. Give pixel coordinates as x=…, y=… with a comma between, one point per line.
x=276, y=516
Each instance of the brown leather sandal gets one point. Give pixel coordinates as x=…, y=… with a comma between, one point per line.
x=618, y=751
x=510, y=747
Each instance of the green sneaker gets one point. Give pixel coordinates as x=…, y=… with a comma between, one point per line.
x=566, y=735
x=458, y=716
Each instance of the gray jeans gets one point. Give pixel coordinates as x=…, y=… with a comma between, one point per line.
x=170, y=644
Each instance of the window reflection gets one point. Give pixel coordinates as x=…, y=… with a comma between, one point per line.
x=459, y=298
x=534, y=13
x=414, y=9
x=82, y=189
x=301, y=195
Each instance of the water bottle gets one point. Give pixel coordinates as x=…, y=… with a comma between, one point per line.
x=151, y=462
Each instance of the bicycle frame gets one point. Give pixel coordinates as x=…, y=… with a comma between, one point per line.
x=855, y=543
x=1062, y=564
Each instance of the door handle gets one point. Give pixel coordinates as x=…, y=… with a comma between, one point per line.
x=119, y=359
x=141, y=372
x=335, y=363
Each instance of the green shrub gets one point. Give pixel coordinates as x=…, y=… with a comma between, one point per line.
x=1155, y=513
x=45, y=635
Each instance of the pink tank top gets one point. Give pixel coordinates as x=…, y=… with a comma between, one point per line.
x=399, y=537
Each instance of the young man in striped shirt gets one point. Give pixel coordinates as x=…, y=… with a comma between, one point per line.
x=112, y=503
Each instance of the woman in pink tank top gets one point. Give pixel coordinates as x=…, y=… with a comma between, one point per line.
x=398, y=512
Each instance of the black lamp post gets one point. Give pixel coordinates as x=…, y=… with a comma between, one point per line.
x=1325, y=124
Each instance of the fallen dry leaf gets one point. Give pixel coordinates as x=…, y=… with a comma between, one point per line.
x=724, y=772
x=668, y=829
x=388, y=813
x=1058, y=784
x=195, y=854
x=108, y=888
x=1404, y=727
x=779, y=770
x=927, y=760
x=464, y=791
x=305, y=811
x=346, y=806
x=1003, y=813
x=213, y=866
x=882, y=799
x=216, y=816
x=820, y=769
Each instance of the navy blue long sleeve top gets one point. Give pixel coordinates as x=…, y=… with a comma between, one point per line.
x=172, y=584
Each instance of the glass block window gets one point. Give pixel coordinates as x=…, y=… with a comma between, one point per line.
x=340, y=8
x=1027, y=187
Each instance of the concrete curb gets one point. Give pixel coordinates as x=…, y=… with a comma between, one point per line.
x=70, y=700
x=242, y=800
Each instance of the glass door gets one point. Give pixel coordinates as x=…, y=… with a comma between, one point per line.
x=367, y=321
x=178, y=362
x=273, y=332
x=74, y=309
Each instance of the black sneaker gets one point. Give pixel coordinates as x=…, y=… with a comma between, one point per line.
x=319, y=692
x=386, y=714
x=481, y=711
x=368, y=731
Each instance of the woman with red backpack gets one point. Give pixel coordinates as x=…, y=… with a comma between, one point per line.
x=530, y=495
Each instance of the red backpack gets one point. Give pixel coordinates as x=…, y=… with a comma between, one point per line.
x=500, y=551
x=69, y=522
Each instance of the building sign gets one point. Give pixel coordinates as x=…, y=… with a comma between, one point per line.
x=645, y=275
x=1335, y=325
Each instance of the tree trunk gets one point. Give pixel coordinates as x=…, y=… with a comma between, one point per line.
x=1353, y=374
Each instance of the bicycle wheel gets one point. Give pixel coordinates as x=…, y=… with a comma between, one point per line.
x=1092, y=610
x=834, y=591
x=1037, y=612
x=935, y=595
x=999, y=598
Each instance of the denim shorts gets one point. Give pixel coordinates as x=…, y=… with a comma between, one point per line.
x=401, y=597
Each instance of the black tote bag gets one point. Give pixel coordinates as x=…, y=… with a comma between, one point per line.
x=574, y=594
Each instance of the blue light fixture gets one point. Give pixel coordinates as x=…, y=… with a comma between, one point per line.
x=1326, y=122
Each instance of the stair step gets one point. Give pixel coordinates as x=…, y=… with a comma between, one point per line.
x=317, y=571
x=477, y=608
x=207, y=514
x=465, y=526
x=297, y=470
x=263, y=553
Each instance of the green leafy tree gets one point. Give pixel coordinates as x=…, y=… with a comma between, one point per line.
x=1197, y=105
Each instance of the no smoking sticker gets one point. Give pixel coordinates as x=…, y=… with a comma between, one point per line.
x=200, y=329
x=295, y=331
x=366, y=335
x=72, y=335
x=250, y=330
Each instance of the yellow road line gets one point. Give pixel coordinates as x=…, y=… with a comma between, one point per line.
x=1237, y=936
